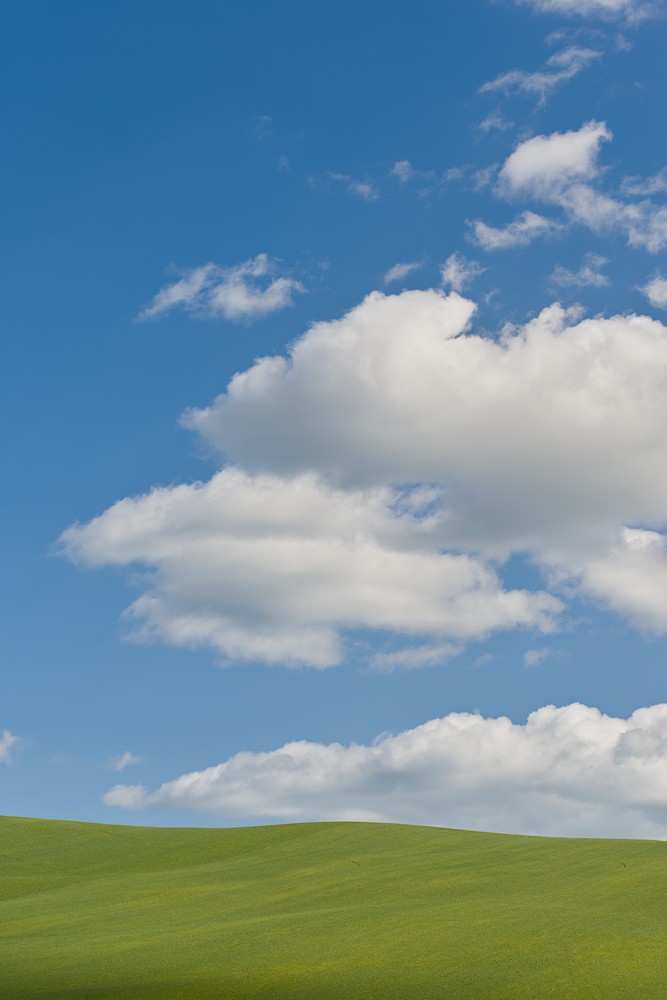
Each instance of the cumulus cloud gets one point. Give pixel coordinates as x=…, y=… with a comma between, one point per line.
x=279, y=569
x=547, y=164
x=245, y=291
x=630, y=576
x=562, y=169
x=552, y=435
x=8, y=745
x=629, y=10
x=458, y=272
x=560, y=68
x=383, y=471
x=588, y=275
x=566, y=771
x=124, y=760
x=655, y=291
x=522, y=231
x=400, y=271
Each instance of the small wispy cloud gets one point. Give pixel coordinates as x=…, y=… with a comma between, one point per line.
x=645, y=186
x=404, y=170
x=560, y=68
x=631, y=11
x=588, y=275
x=458, y=272
x=400, y=271
x=495, y=123
x=526, y=228
x=414, y=657
x=366, y=190
x=9, y=743
x=261, y=126
x=482, y=660
x=534, y=657
x=245, y=291
x=124, y=760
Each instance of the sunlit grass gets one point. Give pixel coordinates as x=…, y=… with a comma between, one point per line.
x=330, y=910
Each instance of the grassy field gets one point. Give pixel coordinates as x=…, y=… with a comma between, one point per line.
x=337, y=911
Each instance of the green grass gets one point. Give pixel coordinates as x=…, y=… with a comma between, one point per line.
x=330, y=911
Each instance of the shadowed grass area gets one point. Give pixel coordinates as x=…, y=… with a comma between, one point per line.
x=333, y=911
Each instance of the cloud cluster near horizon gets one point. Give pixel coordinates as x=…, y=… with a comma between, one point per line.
x=568, y=771
x=379, y=476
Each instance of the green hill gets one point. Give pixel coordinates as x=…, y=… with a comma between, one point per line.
x=328, y=911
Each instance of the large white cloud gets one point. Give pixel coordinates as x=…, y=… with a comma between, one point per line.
x=553, y=429
x=278, y=569
x=385, y=462
x=567, y=771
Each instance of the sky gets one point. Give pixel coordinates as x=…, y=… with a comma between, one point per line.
x=335, y=396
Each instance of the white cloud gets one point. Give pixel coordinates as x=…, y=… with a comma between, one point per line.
x=630, y=10
x=655, y=291
x=629, y=576
x=8, y=744
x=589, y=274
x=404, y=170
x=561, y=169
x=534, y=657
x=567, y=771
x=644, y=224
x=642, y=186
x=245, y=291
x=522, y=231
x=458, y=272
x=385, y=462
x=279, y=569
x=495, y=122
x=400, y=271
x=124, y=760
x=366, y=190
x=547, y=164
x=414, y=657
x=561, y=67
x=552, y=435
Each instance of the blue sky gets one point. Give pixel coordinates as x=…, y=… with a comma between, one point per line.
x=362, y=572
